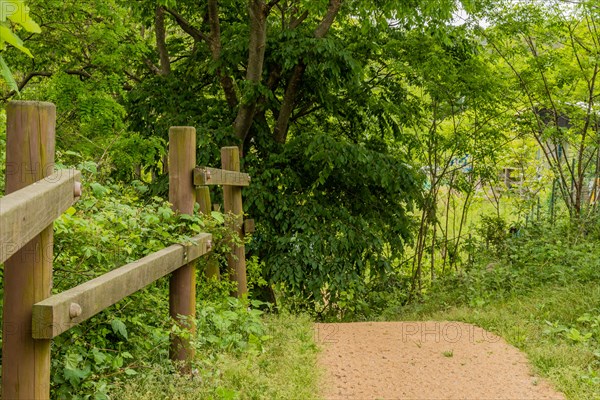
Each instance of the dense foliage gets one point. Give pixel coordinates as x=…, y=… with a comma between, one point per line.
x=259, y=79
x=399, y=152
x=342, y=219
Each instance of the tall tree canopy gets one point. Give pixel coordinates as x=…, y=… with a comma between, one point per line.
x=324, y=97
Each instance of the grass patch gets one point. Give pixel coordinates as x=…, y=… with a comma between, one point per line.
x=556, y=326
x=448, y=353
x=283, y=367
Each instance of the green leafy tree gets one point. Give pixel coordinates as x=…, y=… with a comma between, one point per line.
x=278, y=74
x=267, y=76
x=550, y=52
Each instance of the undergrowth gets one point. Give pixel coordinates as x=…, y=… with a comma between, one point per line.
x=123, y=352
x=278, y=364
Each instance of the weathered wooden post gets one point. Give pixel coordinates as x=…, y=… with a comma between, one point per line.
x=182, y=284
x=203, y=199
x=232, y=202
x=30, y=145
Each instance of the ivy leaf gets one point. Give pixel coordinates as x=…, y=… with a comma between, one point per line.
x=165, y=212
x=72, y=360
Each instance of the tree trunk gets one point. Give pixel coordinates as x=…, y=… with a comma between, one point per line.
x=289, y=98
x=257, y=10
x=161, y=45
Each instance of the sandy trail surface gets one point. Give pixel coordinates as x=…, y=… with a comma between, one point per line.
x=423, y=360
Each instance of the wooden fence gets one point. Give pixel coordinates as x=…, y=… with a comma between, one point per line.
x=36, y=195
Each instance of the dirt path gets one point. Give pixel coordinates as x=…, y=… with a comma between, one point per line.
x=423, y=360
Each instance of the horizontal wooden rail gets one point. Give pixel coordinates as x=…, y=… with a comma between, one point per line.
x=27, y=212
x=59, y=313
x=213, y=176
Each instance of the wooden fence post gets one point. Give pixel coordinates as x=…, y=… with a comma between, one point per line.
x=203, y=199
x=232, y=202
x=182, y=284
x=30, y=145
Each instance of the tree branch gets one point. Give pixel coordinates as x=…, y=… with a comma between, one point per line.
x=24, y=82
x=215, y=48
x=80, y=72
x=272, y=4
x=274, y=77
x=287, y=105
x=289, y=98
x=325, y=25
x=153, y=68
x=132, y=76
x=306, y=111
x=161, y=43
x=215, y=29
x=295, y=22
x=188, y=28
x=257, y=11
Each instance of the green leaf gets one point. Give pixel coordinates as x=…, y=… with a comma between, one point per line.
x=98, y=189
x=101, y=396
x=99, y=357
x=6, y=35
x=119, y=327
x=226, y=394
x=75, y=375
x=117, y=362
x=8, y=76
x=72, y=360
x=18, y=12
x=218, y=216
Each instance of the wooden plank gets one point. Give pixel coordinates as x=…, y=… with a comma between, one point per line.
x=213, y=176
x=232, y=202
x=182, y=284
x=30, y=150
x=28, y=211
x=61, y=312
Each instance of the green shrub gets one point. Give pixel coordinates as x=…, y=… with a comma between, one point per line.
x=333, y=218
x=110, y=226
